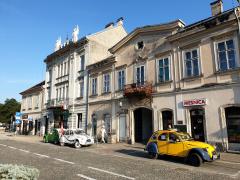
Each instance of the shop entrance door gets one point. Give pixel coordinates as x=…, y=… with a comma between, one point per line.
x=233, y=127
x=197, y=124
x=122, y=127
x=143, y=124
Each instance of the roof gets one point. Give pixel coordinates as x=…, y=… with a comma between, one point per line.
x=149, y=28
x=36, y=88
x=66, y=48
x=208, y=22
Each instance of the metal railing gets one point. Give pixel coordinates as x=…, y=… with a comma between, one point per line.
x=138, y=89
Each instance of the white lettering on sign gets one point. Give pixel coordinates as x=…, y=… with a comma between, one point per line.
x=194, y=102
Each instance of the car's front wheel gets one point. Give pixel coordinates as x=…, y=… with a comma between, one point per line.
x=195, y=160
x=152, y=155
x=77, y=144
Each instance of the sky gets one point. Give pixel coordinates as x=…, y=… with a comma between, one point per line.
x=30, y=28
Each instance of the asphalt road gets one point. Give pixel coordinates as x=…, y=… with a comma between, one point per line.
x=105, y=162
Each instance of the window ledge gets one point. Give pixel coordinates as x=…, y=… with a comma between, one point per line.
x=79, y=98
x=106, y=93
x=192, y=78
x=119, y=90
x=163, y=83
x=229, y=71
x=93, y=95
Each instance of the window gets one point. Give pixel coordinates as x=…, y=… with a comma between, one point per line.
x=163, y=137
x=36, y=101
x=226, y=55
x=59, y=71
x=191, y=63
x=50, y=75
x=81, y=88
x=29, y=102
x=57, y=93
x=63, y=93
x=106, y=83
x=66, y=91
x=140, y=75
x=163, y=70
x=121, y=79
x=79, y=125
x=65, y=68
x=82, y=63
x=139, y=45
x=94, y=86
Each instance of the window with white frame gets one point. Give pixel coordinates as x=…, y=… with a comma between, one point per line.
x=226, y=55
x=36, y=101
x=94, y=86
x=191, y=61
x=106, y=83
x=81, y=88
x=163, y=70
x=67, y=91
x=140, y=75
x=82, y=62
x=121, y=79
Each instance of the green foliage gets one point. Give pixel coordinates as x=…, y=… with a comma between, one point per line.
x=18, y=172
x=8, y=109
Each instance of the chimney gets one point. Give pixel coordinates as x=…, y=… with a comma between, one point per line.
x=120, y=21
x=111, y=24
x=216, y=7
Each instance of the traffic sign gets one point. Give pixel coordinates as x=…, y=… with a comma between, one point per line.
x=18, y=121
x=18, y=114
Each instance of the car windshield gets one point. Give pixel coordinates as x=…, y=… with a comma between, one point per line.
x=185, y=136
x=79, y=132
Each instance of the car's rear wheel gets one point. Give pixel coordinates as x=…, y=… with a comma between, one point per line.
x=152, y=155
x=77, y=144
x=195, y=160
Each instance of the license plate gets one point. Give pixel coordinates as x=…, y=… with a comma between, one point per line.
x=215, y=156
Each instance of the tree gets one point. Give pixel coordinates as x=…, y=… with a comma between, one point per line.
x=8, y=110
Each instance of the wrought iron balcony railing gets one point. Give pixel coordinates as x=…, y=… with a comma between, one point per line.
x=138, y=90
x=53, y=103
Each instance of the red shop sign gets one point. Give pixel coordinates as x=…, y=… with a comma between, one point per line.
x=194, y=102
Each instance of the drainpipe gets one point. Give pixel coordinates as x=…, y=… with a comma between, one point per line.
x=87, y=91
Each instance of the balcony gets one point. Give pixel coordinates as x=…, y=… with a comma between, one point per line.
x=58, y=103
x=138, y=90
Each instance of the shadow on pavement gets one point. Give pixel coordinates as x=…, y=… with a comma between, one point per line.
x=144, y=154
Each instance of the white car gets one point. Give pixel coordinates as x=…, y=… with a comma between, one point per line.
x=76, y=137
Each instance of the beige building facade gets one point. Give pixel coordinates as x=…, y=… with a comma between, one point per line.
x=32, y=106
x=171, y=76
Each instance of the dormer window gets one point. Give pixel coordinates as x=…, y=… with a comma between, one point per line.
x=139, y=45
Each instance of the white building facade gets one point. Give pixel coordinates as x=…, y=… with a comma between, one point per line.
x=67, y=78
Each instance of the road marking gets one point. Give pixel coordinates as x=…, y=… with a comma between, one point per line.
x=23, y=150
x=85, y=177
x=69, y=162
x=109, y=172
x=41, y=155
x=12, y=147
x=227, y=162
x=3, y=145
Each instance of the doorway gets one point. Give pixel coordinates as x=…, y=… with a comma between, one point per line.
x=167, y=119
x=233, y=127
x=143, y=124
x=122, y=127
x=46, y=125
x=197, y=117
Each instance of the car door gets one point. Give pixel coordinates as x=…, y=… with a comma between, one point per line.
x=66, y=136
x=162, y=143
x=71, y=136
x=175, y=146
